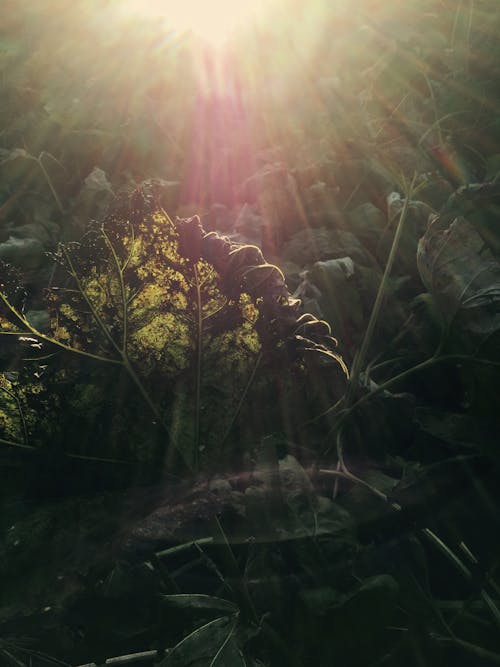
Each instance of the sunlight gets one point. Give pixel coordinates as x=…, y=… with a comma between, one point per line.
x=213, y=21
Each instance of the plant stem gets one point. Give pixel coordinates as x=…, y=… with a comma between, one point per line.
x=242, y=398
x=360, y=359
x=122, y=352
x=89, y=303
x=49, y=182
x=216, y=657
x=119, y=272
x=345, y=413
x=346, y=474
x=15, y=398
x=12, y=443
x=238, y=584
x=199, y=351
x=49, y=339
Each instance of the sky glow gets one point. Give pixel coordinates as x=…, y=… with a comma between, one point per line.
x=213, y=21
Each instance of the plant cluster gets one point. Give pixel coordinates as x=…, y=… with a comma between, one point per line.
x=180, y=435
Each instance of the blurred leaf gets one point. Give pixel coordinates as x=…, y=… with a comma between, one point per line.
x=464, y=281
x=200, y=603
x=463, y=430
x=373, y=600
x=493, y=167
x=202, y=644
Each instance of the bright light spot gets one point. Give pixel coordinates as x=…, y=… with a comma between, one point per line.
x=212, y=20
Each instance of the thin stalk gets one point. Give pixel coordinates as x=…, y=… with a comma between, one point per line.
x=12, y=658
x=199, y=352
x=123, y=294
x=124, y=358
x=238, y=585
x=216, y=657
x=419, y=367
x=21, y=413
x=445, y=549
x=12, y=443
x=453, y=37
x=376, y=367
x=129, y=256
x=184, y=547
x=117, y=661
x=89, y=303
x=242, y=398
x=49, y=339
x=467, y=36
x=49, y=182
x=359, y=362
x=385, y=121
x=464, y=570
x=346, y=474
x=353, y=193
x=142, y=390
x=178, y=648
x=437, y=122
x=124, y=361
x=492, y=606
x=100, y=459
x=346, y=412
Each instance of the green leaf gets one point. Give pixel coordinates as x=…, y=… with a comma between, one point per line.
x=170, y=312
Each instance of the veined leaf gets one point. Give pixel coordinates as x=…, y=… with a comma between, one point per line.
x=157, y=314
